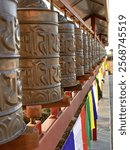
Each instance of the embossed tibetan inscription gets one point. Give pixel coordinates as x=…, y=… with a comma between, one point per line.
x=79, y=52
x=85, y=50
x=67, y=53
x=35, y=41
x=90, y=51
x=39, y=54
x=11, y=117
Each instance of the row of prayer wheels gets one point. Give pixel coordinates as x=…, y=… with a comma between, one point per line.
x=47, y=54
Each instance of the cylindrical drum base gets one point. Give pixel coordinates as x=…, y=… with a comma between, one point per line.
x=11, y=124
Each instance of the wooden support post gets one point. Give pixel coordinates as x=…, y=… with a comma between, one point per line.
x=37, y=125
x=34, y=112
x=55, y=111
x=95, y=132
x=93, y=24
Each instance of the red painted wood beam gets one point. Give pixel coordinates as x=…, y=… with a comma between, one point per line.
x=57, y=127
x=86, y=18
x=93, y=25
x=75, y=3
x=96, y=16
x=100, y=17
x=66, y=4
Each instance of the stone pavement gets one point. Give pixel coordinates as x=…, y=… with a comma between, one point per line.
x=104, y=120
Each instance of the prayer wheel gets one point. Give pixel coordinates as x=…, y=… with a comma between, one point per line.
x=39, y=53
x=96, y=53
x=11, y=117
x=99, y=51
x=79, y=52
x=90, y=52
x=67, y=52
x=93, y=51
x=85, y=50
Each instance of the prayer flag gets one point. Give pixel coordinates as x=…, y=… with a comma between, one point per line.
x=83, y=123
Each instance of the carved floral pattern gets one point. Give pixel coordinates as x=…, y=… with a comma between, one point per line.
x=41, y=96
x=10, y=125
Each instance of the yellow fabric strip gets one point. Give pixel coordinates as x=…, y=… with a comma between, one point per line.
x=91, y=110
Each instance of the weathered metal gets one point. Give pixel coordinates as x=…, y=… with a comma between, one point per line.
x=93, y=50
x=67, y=52
x=39, y=53
x=102, y=52
x=85, y=50
x=79, y=52
x=89, y=51
x=11, y=117
x=96, y=50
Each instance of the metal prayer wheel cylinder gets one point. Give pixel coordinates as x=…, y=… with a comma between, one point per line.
x=85, y=50
x=67, y=53
x=99, y=51
x=93, y=51
x=96, y=51
x=89, y=52
x=11, y=116
x=39, y=54
x=79, y=52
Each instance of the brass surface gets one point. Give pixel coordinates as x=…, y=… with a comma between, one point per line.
x=79, y=52
x=11, y=117
x=90, y=51
x=85, y=51
x=39, y=55
x=67, y=54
